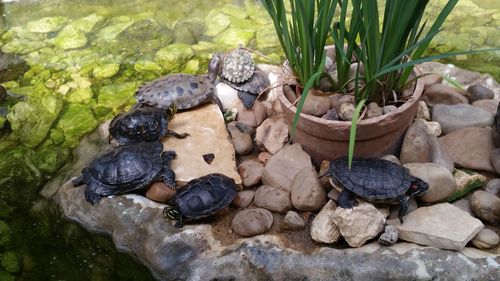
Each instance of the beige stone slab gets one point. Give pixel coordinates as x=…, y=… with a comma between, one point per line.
x=208, y=134
x=442, y=226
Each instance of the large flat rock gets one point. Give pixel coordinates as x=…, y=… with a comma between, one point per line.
x=208, y=134
x=197, y=252
x=442, y=226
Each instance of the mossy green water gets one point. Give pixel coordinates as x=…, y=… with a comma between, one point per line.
x=85, y=59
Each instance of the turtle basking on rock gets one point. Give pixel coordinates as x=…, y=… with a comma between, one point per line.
x=182, y=90
x=201, y=198
x=237, y=69
x=375, y=180
x=126, y=168
x=142, y=124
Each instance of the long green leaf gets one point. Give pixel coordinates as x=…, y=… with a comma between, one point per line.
x=352, y=132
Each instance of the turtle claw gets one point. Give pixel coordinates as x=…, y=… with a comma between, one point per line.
x=346, y=199
x=180, y=222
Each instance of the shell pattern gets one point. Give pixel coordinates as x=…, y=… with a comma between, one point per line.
x=183, y=90
x=372, y=178
x=123, y=169
x=237, y=66
x=145, y=124
x=205, y=196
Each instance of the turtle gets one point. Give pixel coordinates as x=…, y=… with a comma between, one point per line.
x=126, y=168
x=185, y=91
x=237, y=69
x=142, y=124
x=201, y=197
x=375, y=180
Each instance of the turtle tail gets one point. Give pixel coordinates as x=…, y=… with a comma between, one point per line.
x=92, y=197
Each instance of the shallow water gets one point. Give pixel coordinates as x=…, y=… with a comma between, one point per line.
x=91, y=73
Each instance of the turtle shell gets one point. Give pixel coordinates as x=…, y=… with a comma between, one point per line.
x=372, y=178
x=183, y=90
x=124, y=168
x=237, y=66
x=204, y=196
x=144, y=124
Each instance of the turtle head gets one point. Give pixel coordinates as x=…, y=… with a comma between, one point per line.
x=417, y=187
x=214, y=66
x=170, y=112
x=173, y=214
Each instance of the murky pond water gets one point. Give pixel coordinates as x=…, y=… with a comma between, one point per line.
x=69, y=65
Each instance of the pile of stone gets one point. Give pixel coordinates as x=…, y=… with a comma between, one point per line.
x=449, y=146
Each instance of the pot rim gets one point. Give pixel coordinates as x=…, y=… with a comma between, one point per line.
x=415, y=97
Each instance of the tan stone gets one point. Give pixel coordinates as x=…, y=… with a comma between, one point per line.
x=272, y=134
x=359, y=224
x=440, y=180
x=252, y=222
x=284, y=165
x=307, y=193
x=470, y=148
x=323, y=229
x=159, y=192
x=442, y=226
x=273, y=199
x=208, y=134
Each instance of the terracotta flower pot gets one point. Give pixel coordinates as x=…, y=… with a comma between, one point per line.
x=327, y=140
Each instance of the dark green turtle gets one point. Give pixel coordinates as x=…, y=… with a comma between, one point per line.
x=236, y=69
x=375, y=180
x=142, y=124
x=201, y=198
x=126, y=168
x=182, y=90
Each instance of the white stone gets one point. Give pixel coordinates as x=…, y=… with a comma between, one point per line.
x=359, y=224
x=442, y=226
x=323, y=229
x=207, y=134
x=227, y=96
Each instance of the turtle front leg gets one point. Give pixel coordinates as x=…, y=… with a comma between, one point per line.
x=403, y=207
x=180, y=222
x=168, y=176
x=78, y=181
x=346, y=199
x=177, y=135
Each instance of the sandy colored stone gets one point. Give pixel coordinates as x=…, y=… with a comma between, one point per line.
x=485, y=206
x=273, y=199
x=486, y=239
x=323, y=229
x=272, y=134
x=292, y=221
x=359, y=224
x=159, y=192
x=208, y=134
x=252, y=222
x=282, y=168
x=442, y=226
x=251, y=172
x=307, y=193
x=243, y=199
x=470, y=148
x=441, y=181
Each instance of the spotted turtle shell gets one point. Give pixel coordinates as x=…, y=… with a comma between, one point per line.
x=204, y=196
x=237, y=66
x=144, y=124
x=124, y=168
x=372, y=178
x=183, y=90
